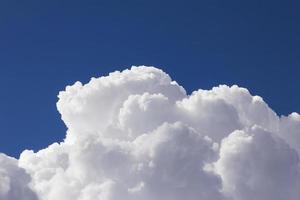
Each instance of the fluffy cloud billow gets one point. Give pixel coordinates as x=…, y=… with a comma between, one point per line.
x=137, y=135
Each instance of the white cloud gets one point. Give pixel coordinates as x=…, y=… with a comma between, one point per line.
x=14, y=182
x=255, y=165
x=137, y=135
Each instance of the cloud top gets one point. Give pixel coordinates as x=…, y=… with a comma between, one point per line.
x=137, y=135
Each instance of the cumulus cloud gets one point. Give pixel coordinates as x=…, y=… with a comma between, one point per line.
x=14, y=181
x=137, y=135
x=255, y=165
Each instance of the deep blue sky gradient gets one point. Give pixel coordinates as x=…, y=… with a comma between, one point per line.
x=46, y=45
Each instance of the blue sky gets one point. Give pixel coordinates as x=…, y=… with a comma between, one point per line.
x=46, y=45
